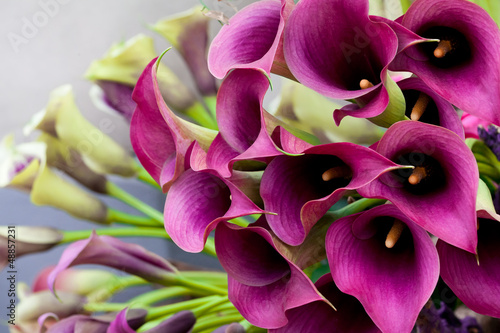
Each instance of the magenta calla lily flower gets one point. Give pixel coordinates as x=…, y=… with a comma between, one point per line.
x=387, y=262
x=197, y=202
x=350, y=316
x=424, y=105
x=231, y=328
x=335, y=48
x=471, y=123
x=474, y=279
x=247, y=131
x=439, y=194
x=464, y=67
x=252, y=39
x=181, y=322
x=112, y=252
x=301, y=189
x=161, y=139
x=263, y=285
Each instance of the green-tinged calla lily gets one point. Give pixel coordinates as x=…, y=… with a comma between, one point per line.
x=62, y=119
x=309, y=111
x=124, y=63
x=51, y=190
x=19, y=164
x=188, y=33
x=59, y=155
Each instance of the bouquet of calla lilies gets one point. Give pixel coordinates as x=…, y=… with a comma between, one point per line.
x=358, y=200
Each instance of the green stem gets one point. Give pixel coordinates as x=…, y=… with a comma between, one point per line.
x=199, y=287
x=488, y=170
x=214, y=322
x=161, y=294
x=104, y=307
x=119, y=284
x=162, y=311
x=356, y=207
x=118, y=193
x=74, y=235
x=405, y=4
x=202, y=309
x=198, y=113
x=116, y=216
x=145, y=177
x=217, y=278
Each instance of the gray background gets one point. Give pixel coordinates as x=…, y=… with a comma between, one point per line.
x=58, y=52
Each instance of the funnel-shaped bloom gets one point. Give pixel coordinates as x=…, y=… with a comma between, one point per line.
x=123, y=64
x=111, y=252
x=181, y=322
x=424, y=105
x=197, y=202
x=188, y=33
x=474, y=279
x=252, y=39
x=464, y=67
x=248, y=130
x=301, y=189
x=471, y=124
x=319, y=316
x=263, y=285
x=333, y=47
x=160, y=138
x=27, y=240
x=439, y=194
x=62, y=119
x=387, y=262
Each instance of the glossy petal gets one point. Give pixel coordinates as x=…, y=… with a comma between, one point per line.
x=111, y=252
x=252, y=39
x=197, y=202
x=392, y=284
x=159, y=138
x=293, y=187
x=263, y=285
x=318, y=316
x=456, y=78
x=331, y=45
x=444, y=203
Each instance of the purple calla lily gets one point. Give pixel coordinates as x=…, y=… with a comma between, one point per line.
x=252, y=39
x=260, y=136
x=197, y=202
x=111, y=252
x=318, y=316
x=231, y=328
x=387, y=262
x=160, y=138
x=464, y=67
x=474, y=279
x=439, y=194
x=114, y=96
x=262, y=284
x=301, y=189
x=424, y=105
x=335, y=48
x=181, y=322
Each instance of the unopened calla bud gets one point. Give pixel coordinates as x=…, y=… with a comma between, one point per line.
x=28, y=240
x=62, y=119
x=188, y=33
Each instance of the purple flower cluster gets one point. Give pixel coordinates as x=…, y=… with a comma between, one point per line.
x=383, y=262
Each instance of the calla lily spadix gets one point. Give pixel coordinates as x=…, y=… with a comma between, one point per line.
x=263, y=285
x=252, y=39
x=160, y=138
x=387, y=262
x=439, y=193
x=301, y=189
x=464, y=66
x=333, y=47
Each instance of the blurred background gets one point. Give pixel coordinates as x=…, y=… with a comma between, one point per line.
x=48, y=43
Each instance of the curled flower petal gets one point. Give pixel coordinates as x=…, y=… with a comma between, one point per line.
x=393, y=284
x=181, y=322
